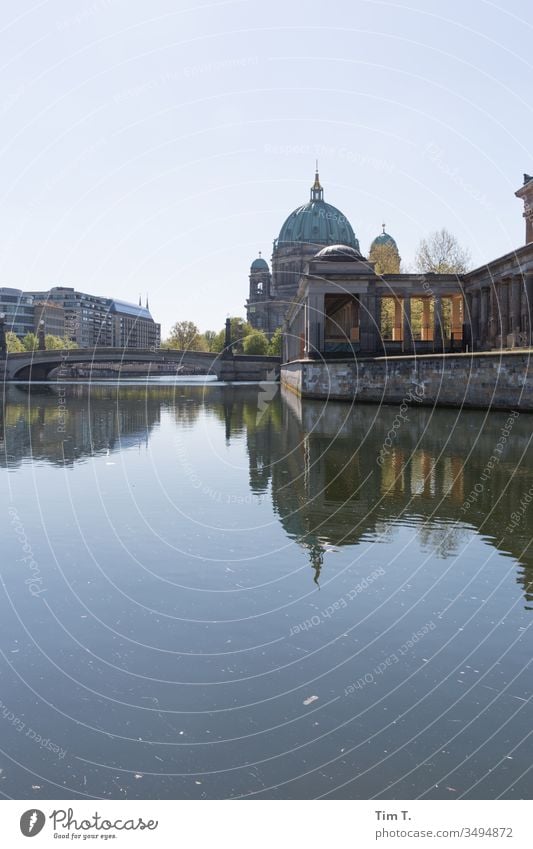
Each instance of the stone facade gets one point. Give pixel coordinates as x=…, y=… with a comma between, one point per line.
x=339, y=306
x=337, y=310
x=502, y=380
x=498, y=301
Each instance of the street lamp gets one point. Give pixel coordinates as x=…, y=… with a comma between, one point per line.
x=40, y=334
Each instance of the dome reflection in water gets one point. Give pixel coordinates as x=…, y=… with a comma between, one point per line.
x=232, y=597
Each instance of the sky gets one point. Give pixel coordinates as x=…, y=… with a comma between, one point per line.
x=158, y=147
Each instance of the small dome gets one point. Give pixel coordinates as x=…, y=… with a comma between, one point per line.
x=259, y=264
x=384, y=239
x=338, y=253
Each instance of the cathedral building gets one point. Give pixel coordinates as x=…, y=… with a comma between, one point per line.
x=332, y=301
x=309, y=228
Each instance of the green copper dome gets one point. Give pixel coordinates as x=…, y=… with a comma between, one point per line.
x=384, y=239
x=259, y=264
x=318, y=223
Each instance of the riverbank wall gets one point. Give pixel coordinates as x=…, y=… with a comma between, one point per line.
x=501, y=380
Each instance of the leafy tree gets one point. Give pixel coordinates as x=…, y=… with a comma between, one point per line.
x=239, y=330
x=387, y=317
x=210, y=338
x=441, y=253
x=255, y=343
x=185, y=336
x=386, y=258
x=13, y=343
x=30, y=342
x=53, y=343
x=274, y=346
x=68, y=343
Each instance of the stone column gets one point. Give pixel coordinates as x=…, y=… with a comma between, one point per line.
x=527, y=308
x=468, y=322
x=316, y=320
x=514, y=309
x=474, y=319
x=504, y=312
x=407, y=328
x=368, y=322
x=493, y=316
x=484, y=318
x=438, y=330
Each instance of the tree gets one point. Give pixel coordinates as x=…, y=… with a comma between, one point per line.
x=255, y=343
x=239, y=330
x=386, y=259
x=441, y=253
x=53, y=343
x=185, y=336
x=274, y=346
x=210, y=339
x=13, y=343
x=30, y=342
x=68, y=343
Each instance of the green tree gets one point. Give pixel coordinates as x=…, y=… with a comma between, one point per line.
x=210, y=339
x=255, y=343
x=386, y=259
x=441, y=253
x=68, y=343
x=387, y=317
x=13, y=343
x=30, y=342
x=274, y=346
x=53, y=343
x=239, y=330
x=185, y=336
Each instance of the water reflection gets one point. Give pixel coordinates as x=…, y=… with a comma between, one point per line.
x=337, y=492
x=179, y=539
x=319, y=463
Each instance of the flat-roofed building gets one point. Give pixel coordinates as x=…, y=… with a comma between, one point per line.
x=17, y=308
x=96, y=321
x=52, y=315
x=133, y=326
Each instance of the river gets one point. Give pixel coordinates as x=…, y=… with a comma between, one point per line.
x=218, y=591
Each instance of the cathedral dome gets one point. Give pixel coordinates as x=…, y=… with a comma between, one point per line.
x=338, y=253
x=317, y=223
x=259, y=264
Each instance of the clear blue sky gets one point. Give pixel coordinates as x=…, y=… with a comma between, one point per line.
x=158, y=146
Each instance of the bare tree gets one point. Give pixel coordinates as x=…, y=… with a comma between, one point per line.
x=441, y=253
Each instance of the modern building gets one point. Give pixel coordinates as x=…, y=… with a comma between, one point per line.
x=95, y=321
x=51, y=315
x=133, y=326
x=17, y=308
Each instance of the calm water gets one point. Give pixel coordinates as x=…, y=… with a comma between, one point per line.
x=214, y=591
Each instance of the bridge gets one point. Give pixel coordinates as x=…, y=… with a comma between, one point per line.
x=37, y=365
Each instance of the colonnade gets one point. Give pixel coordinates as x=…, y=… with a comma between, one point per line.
x=498, y=312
